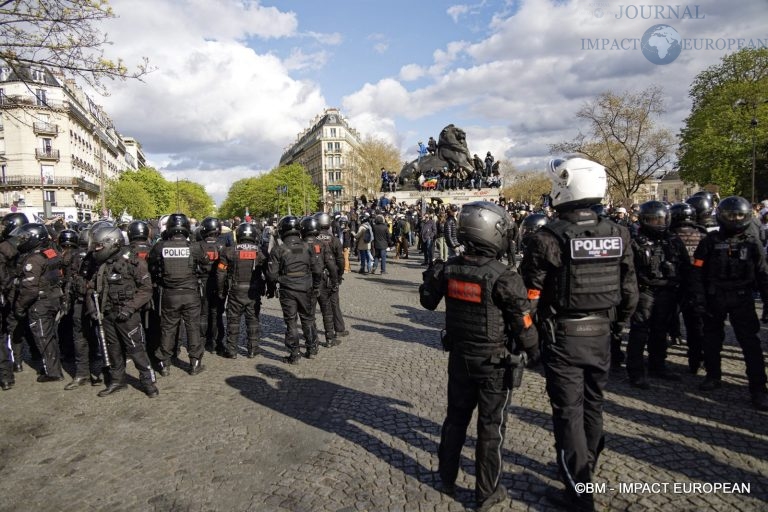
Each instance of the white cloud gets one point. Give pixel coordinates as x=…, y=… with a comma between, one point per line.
x=456, y=11
x=411, y=72
x=300, y=60
x=380, y=47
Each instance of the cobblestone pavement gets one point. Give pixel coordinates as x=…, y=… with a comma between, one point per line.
x=357, y=428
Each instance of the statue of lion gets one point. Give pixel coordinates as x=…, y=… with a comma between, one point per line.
x=452, y=153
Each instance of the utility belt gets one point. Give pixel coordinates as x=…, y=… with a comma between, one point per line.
x=295, y=274
x=576, y=325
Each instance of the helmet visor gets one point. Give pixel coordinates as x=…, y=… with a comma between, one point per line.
x=733, y=216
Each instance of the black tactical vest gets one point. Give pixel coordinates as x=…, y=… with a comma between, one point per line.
x=691, y=236
x=295, y=263
x=244, y=263
x=178, y=267
x=589, y=279
x=474, y=323
x=141, y=250
x=53, y=273
x=731, y=264
x=119, y=281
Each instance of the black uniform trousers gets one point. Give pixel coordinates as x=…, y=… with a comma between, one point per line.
x=328, y=310
x=576, y=368
x=242, y=301
x=655, y=313
x=127, y=339
x=474, y=382
x=6, y=350
x=177, y=306
x=85, y=344
x=338, y=318
x=694, y=335
x=42, y=329
x=295, y=302
x=212, y=318
x=740, y=307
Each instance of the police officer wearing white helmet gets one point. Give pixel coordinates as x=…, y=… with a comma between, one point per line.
x=580, y=271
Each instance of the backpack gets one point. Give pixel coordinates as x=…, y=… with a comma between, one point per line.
x=368, y=236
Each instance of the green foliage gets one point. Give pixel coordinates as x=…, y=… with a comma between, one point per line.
x=146, y=194
x=261, y=198
x=363, y=175
x=528, y=187
x=716, y=142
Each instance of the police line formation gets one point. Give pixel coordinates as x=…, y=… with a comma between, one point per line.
x=582, y=279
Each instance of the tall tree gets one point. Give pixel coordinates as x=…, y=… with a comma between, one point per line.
x=194, y=200
x=729, y=112
x=527, y=186
x=163, y=195
x=621, y=134
x=362, y=174
x=62, y=35
x=278, y=191
x=130, y=196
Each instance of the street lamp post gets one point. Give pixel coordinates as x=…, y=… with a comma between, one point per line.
x=752, y=105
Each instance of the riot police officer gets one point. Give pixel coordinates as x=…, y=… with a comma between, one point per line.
x=212, y=307
x=580, y=269
x=139, y=236
x=292, y=266
x=122, y=286
x=10, y=363
x=682, y=222
x=329, y=288
x=309, y=231
x=530, y=225
x=240, y=275
x=702, y=202
x=727, y=265
x=485, y=303
x=66, y=242
x=38, y=294
x=176, y=265
x=661, y=264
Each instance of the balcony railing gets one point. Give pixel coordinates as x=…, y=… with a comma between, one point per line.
x=20, y=180
x=82, y=184
x=47, y=154
x=45, y=128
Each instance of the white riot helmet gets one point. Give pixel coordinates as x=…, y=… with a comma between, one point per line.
x=576, y=181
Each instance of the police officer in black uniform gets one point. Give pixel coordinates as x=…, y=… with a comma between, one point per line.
x=211, y=307
x=10, y=363
x=292, y=266
x=122, y=287
x=139, y=235
x=683, y=224
x=240, y=270
x=66, y=243
x=309, y=232
x=38, y=294
x=661, y=265
x=329, y=288
x=487, y=318
x=581, y=271
x=86, y=347
x=703, y=203
x=176, y=264
x=727, y=265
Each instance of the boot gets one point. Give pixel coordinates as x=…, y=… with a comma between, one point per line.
x=252, y=351
x=96, y=380
x=311, y=351
x=50, y=378
x=6, y=384
x=163, y=368
x=498, y=496
x=293, y=358
x=18, y=367
x=150, y=390
x=195, y=366
x=76, y=383
x=112, y=388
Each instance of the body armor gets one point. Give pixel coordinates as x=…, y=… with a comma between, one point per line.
x=245, y=256
x=731, y=263
x=177, y=269
x=474, y=323
x=656, y=262
x=589, y=279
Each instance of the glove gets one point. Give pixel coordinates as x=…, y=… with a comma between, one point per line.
x=270, y=291
x=316, y=292
x=335, y=288
x=460, y=250
x=96, y=317
x=616, y=329
x=123, y=315
x=534, y=356
x=222, y=296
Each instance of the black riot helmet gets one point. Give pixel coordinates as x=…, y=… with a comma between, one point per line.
x=532, y=223
x=323, y=221
x=84, y=237
x=138, y=230
x=599, y=210
x=101, y=224
x=246, y=232
x=210, y=227
x=67, y=238
x=734, y=213
x=30, y=236
x=11, y=222
x=105, y=243
x=483, y=228
x=310, y=226
x=681, y=214
x=703, y=206
x=288, y=226
x=654, y=217
x=177, y=224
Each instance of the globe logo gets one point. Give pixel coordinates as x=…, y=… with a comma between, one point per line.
x=599, y=13
x=661, y=44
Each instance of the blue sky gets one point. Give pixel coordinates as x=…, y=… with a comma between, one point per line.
x=237, y=80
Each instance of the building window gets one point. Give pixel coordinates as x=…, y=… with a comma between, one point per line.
x=338, y=175
x=50, y=195
x=41, y=99
x=337, y=162
x=329, y=162
x=337, y=146
x=677, y=194
x=333, y=132
x=5, y=73
x=330, y=146
x=47, y=145
x=330, y=177
x=38, y=75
